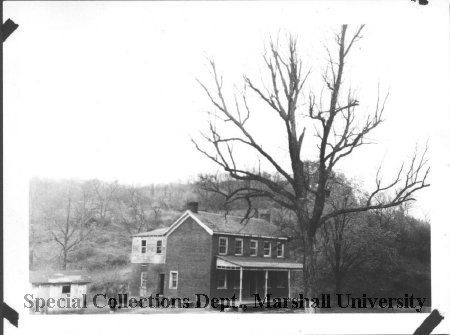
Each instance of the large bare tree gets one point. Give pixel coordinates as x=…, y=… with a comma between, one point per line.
x=299, y=186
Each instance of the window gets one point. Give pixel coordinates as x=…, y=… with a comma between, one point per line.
x=158, y=246
x=280, y=250
x=238, y=246
x=222, y=279
x=223, y=245
x=267, y=249
x=173, y=280
x=253, y=247
x=233, y=279
x=66, y=289
x=143, y=246
x=143, y=279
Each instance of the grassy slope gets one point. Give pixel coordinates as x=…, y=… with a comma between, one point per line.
x=107, y=251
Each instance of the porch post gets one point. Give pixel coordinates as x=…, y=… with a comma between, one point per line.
x=265, y=286
x=240, y=284
x=289, y=283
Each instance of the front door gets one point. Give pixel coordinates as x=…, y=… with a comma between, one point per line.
x=254, y=281
x=161, y=284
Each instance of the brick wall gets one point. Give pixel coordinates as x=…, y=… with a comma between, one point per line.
x=153, y=272
x=231, y=246
x=189, y=252
x=192, y=252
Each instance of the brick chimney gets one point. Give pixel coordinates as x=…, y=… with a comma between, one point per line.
x=192, y=206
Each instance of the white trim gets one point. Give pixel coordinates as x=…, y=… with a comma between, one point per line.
x=241, y=272
x=266, y=277
x=226, y=245
x=225, y=281
x=256, y=264
x=289, y=284
x=220, y=267
x=270, y=249
x=183, y=218
x=282, y=249
x=256, y=249
x=171, y=280
x=253, y=235
x=209, y=230
x=236, y=268
x=188, y=213
x=242, y=246
x=159, y=235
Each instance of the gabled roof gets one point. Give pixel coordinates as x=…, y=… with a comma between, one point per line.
x=223, y=224
x=59, y=277
x=230, y=224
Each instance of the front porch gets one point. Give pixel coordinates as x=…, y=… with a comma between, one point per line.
x=246, y=277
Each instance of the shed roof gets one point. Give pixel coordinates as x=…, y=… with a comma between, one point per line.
x=59, y=277
x=257, y=263
x=224, y=224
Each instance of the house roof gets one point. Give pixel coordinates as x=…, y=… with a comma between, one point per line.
x=154, y=232
x=224, y=224
x=230, y=224
x=59, y=277
x=232, y=262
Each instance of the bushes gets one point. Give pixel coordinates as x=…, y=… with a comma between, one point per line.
x=82, y=254
x=102, y=239
x=117, y=260
x=105, y=261
x=110, y=283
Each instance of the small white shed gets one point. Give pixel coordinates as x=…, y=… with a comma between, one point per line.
x=59, y=284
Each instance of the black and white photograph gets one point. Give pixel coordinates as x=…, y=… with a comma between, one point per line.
x=186, y=164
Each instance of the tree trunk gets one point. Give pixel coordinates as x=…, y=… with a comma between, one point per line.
x=309, y=270
x=309, y=266
x=64, y=264
x=338, y=281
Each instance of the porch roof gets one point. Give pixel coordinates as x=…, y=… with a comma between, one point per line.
x=234, y=262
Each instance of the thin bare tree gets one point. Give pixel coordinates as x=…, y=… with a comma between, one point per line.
x=300, y=187
x=104, y=195
x=72, y=224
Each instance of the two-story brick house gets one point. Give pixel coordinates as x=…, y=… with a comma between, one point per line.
x=216, y=255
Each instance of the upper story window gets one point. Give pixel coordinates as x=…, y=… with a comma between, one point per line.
x=223, y=245
x=158, y=246
x=280, y=250
x=173, y=279
x=238, y=246
x=267, y=249
x=253, y=247
x=143, y=246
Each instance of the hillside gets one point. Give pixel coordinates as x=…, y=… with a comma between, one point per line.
x=108, y=247
x=88, y=225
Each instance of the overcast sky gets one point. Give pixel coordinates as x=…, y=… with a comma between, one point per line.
x=107, y=90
